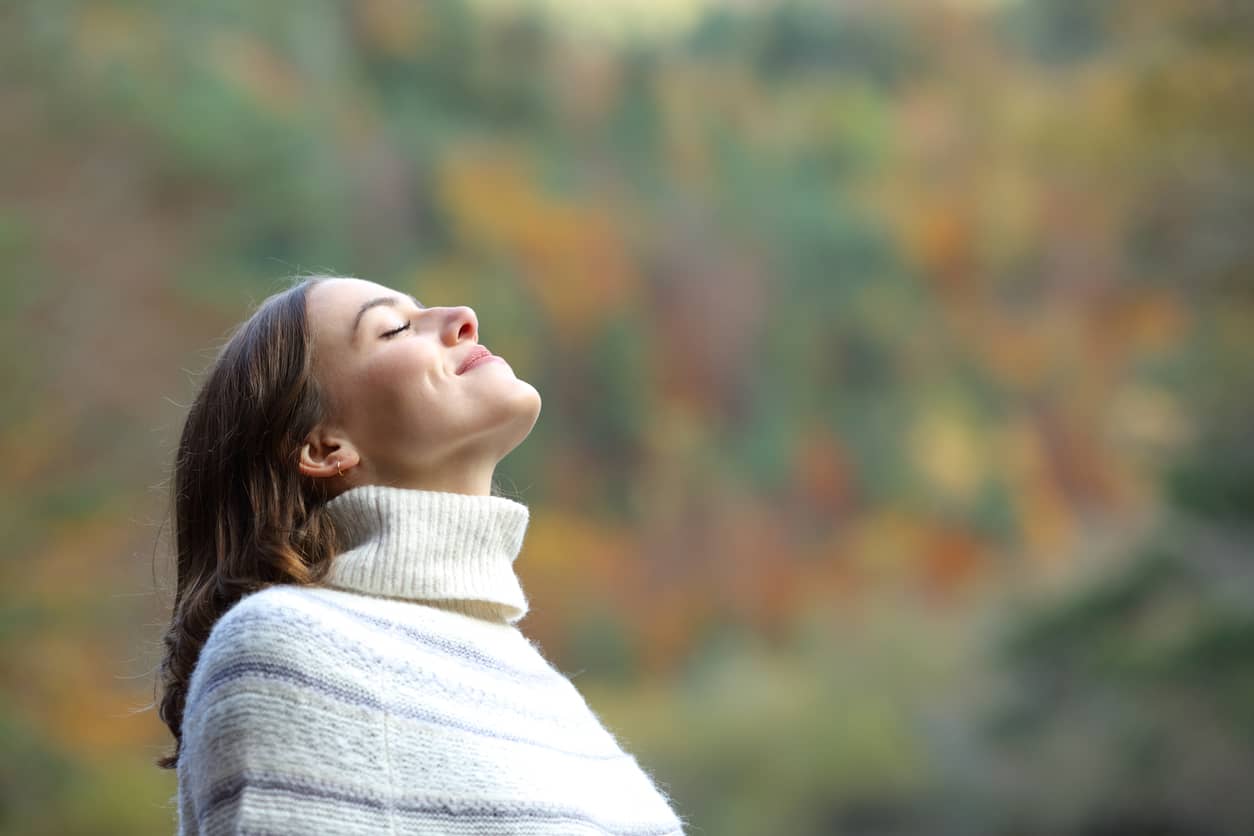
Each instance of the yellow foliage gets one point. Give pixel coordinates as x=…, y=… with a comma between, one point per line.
x=563, y=548
x=572, y=255
x=75, y=698
x=76, y=560
x=944, y=448
x=885, y=544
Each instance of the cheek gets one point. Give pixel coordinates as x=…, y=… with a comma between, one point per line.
x=396, y=386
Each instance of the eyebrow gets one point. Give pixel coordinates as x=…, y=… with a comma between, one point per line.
x=391, y=301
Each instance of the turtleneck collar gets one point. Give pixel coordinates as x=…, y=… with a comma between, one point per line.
x=449, y=550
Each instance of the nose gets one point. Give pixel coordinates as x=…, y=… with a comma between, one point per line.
x=460, y=323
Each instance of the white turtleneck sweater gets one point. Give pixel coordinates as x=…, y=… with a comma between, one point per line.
x=400, y=697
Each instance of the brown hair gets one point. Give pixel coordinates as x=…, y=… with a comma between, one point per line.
x=245, y=517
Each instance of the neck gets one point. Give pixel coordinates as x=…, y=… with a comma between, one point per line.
x=444, y=549
x=457, y=477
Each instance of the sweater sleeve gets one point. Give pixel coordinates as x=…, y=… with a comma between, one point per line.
x=221, y=767
x=233, y=712
x=263, y=749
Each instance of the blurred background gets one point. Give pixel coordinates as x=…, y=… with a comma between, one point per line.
x=895, y=471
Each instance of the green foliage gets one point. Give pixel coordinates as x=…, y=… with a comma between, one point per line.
x=1062, y=31
x=798, y=38
x=1219, y=483
x=33, y=775
x=1071, y=633
x=1152, y=666
x=602, y=648
x=809, y=735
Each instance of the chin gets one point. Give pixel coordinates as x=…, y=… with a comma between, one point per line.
x=523, y=394
x=526, y=406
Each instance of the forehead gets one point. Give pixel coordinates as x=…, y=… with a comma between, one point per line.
x=332, y=305
x=337, y=300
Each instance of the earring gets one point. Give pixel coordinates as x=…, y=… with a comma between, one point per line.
x=338, y=470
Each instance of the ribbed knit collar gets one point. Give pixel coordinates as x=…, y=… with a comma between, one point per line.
x=450, y=550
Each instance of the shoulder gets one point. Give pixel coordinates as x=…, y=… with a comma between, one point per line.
x=272, y=619
x=279, y=637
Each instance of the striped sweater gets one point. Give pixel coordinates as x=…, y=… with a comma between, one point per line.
x=400, y=697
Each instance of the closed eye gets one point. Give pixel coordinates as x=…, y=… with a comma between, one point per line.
x=395, y=331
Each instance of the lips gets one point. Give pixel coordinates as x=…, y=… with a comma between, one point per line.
x=476, y=354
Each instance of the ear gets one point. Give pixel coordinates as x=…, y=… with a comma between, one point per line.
x=327, y=454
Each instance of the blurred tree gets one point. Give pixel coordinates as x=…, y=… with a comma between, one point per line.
x=1130, y=703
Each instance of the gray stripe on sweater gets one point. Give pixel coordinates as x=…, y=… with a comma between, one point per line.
x=425, y=681
x=362, y=654
x=461, y=811
x=271, y=670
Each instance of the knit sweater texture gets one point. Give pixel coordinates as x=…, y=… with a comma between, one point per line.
x=400, y=697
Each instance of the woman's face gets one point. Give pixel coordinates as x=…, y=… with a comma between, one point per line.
x=401, y=407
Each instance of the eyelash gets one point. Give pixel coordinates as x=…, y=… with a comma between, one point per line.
x=396, y=331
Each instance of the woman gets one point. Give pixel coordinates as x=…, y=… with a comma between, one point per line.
x=343, y=655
